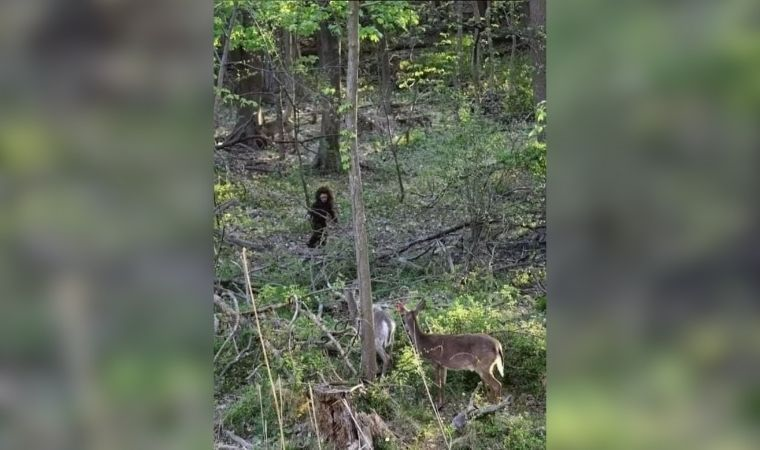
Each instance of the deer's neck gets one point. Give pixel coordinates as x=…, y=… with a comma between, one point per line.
x=420, y=339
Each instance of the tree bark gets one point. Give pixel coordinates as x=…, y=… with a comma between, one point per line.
x=223, y=60
x=288, y=75
x=337, y=419
x=328, y=157
x=385, y=74
x=476, y=48
x=458, y=79
x=489, y=38
x=538, y=48
x=369, y=366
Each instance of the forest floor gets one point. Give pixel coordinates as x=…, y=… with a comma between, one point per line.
x=468, y=237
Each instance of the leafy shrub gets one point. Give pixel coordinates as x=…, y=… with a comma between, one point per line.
x=532, y=156
x=245, y=415
x=525, y=357
x=405, y=365
x=524, y=434
x=517, y=84
x=377, y=398
x=518, y=432
x=465, y=315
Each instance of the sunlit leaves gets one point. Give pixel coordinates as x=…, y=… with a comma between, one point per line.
x=370, y=33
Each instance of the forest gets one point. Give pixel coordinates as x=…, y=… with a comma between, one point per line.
x=379, y=224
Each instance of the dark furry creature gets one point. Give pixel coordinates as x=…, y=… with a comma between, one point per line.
x=320, y=212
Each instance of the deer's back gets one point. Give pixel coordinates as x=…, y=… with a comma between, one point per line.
x=384, y=327
x=459, y=351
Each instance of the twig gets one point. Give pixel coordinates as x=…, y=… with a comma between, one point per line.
x=362, y=437
x=418, y=364
x=267, y=308
x=263, y=421
x=290, y=325
x=446, y=253
x=313, y=410
x=263, y=348
x=236, y=314
x=241, y=354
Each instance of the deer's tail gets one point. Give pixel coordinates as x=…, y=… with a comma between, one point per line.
x=500, y=360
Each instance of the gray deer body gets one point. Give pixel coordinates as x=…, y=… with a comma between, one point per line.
x=385, y=326
x=479, y=353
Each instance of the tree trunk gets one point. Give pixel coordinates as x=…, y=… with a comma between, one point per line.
x=223, y=62
x=328, y=157
x=476, y=49
x=385, y=104
x=385, y=74
x=288, y=77
x=538, y=48
x=460, y=57
x=369, y=367
x=251, y=85
x=489, y=37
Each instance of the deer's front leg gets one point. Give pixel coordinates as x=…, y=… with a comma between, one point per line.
x=441, y=375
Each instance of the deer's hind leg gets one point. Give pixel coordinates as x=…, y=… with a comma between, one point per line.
x=494, y=386
x=385, y=357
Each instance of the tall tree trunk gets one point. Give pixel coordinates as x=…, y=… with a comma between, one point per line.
x=538, y=48
x=385, y=74
x=328, y=157
x=251, y=85
x=288, y=75
x=385, y=103
x=476, y=48
x=369, y=366
x=223, y=62
x=489, y=37
x=513, y=27
x=460, y=57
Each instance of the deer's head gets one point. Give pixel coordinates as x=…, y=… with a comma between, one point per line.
x=409, y=316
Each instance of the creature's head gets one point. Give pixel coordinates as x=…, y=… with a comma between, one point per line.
x=324, y=195
x=409, y=316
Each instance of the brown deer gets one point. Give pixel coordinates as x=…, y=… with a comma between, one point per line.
x=476, y=352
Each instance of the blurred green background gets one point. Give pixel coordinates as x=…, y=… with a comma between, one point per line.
x=105, y=225
x=653, y=251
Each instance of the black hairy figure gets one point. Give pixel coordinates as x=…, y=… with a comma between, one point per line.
x=320, y=212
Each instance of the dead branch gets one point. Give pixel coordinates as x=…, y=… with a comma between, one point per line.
x=240, y=441
x=437, y=235
x=241, y=354
x=470, y=413
x=332, y=339
x=239, y=242
x=290, y=324
x=226, y=205
x=267, y=308
x=236, y=314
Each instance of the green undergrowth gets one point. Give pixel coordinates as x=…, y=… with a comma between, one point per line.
x=451, y=174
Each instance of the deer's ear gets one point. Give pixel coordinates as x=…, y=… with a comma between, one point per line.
x=420, y=305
